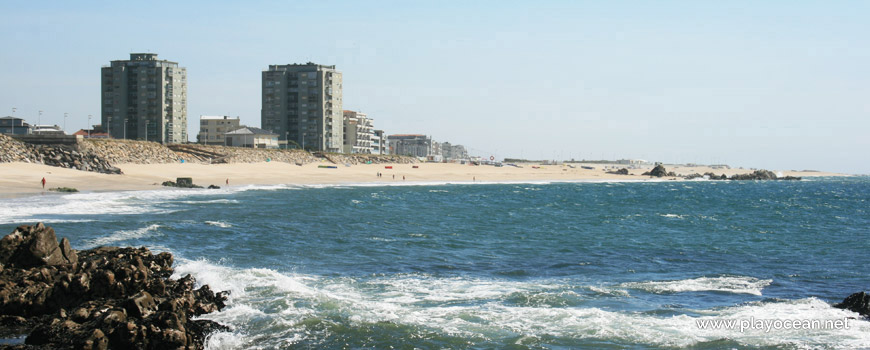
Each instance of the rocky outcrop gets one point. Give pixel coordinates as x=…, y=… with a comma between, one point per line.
x=858, y=302
x=623, y=171
x=659, y=171
x=12, y=150
x=756, y=175
x=65, y=156
x=107, y=297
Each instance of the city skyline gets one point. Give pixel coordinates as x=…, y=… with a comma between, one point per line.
x=773, y=85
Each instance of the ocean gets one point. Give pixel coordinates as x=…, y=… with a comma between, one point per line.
x=594, y=265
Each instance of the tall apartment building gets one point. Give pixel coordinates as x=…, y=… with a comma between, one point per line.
x=213, y=128
x=379, y=142
x=358, y=132
x=145, y=98
x=302, y=104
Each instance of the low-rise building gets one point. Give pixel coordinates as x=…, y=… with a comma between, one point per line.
x=247, y=136
x=46, y=130
x=213, y=128
x=13, y=125
x=453, y=152
x=358, y=132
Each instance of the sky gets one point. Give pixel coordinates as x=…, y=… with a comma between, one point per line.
x=758, y=84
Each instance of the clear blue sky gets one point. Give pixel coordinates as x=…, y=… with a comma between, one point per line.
x=772, y=84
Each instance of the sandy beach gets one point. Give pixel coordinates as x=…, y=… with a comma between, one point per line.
x=21, y=179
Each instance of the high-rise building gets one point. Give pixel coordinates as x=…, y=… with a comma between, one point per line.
x=358, y=132
x=379, y=142
x=302, y=104
x=145, y=98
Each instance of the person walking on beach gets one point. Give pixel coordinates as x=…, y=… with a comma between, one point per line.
x=43, y=183
x=403, y=177
x=228, y=181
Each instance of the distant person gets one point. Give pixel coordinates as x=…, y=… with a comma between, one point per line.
x=394, y=176
x=228, y=181
x=403, y=177
x=43, y=183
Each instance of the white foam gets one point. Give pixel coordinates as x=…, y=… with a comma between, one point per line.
x=478, y=308
x=218, y=224
x=124, y=235
x=674, y=216
x=728, y=284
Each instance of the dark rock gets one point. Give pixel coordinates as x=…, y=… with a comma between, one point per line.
x=213, y=187
x=858, y=302
x=117, y=298
x=658, y=171
x=622, y=171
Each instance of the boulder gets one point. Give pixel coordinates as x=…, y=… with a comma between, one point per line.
x=858, y=302
x=101, y=298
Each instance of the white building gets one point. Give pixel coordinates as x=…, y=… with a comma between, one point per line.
x=358, y=132
x=251, y=137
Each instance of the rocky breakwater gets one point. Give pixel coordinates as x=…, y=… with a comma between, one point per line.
x=63, y=156
x=12, y=150
x=354, y=159
x=229, y=154
x=128, y=151
x=107, y=297
x=755, y=175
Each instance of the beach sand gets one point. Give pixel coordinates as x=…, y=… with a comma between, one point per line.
x=20, y=179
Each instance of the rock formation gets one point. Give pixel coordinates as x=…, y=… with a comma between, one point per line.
x=659, y=171
x=858, y=302
x=107, y=297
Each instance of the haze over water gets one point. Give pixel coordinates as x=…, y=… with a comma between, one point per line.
x=523, y=266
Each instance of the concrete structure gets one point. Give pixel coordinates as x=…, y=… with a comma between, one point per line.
x=358, y=133
x=251, y=137
x=13, y=125
x=145, y=99
x=91, y=134
x=302, y=103
x=453, y=152
x=46, y=130
x=379, y=142
x=213, y=128
x=414, y=145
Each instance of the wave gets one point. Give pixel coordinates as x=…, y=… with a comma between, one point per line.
x=218, y=224
x=273, y=309
x=726, y=284
x=123, y=235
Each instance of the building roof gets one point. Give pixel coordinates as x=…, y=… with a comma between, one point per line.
x=13, y=118
x=247, y=130
x=407, y=135
x=213, y=117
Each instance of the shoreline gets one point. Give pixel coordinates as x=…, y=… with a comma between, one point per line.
x=24, y=179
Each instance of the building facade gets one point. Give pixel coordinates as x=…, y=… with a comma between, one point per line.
x=379, y=142
x=213, y=128
x=145, y=98
x=302, y=104
x=12, y=125
x=358, y=132
x=414, y=145
x=251, y=137
x=453, y=152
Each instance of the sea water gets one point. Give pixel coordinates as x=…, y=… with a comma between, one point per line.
x=605, y=265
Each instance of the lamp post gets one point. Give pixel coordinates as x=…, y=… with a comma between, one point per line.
x=65, y=114
x=89, y=126
x=13, y=120
x=125, y=128
x=146, y=129
x=286, y=140
x=109, y=127
x=303, y=140
x=39, y=119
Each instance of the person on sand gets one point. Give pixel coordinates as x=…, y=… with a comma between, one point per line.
x=394, y=176
x=43, y=183
x=403, y=177
x=228, y=181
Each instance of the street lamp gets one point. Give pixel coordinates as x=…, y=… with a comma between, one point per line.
x=39, y=119
x=109, y=127
x=303, y=140
x=64, y=121
x=125, y=128
x=13, y=120
x=89, y=126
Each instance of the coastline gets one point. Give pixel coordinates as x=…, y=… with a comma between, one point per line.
x=24, y=179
